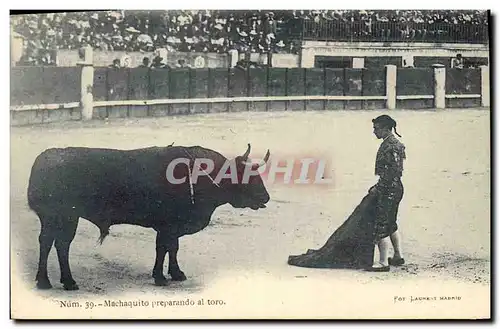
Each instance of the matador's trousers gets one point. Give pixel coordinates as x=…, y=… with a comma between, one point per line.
x=389, y=196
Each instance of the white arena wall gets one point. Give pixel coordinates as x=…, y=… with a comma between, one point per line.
x=407, y=51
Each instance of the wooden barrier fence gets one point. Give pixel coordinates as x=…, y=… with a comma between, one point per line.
x=133, y=92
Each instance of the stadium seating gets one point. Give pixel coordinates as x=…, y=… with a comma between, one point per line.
x=246, y=31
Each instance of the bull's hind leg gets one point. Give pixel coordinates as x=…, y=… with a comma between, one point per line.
x=65, y=234
x=173, y=267
x=46, y=239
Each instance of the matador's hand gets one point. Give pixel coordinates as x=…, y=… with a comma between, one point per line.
x=373, y=190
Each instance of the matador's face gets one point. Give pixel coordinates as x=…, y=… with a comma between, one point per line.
x=380, y=131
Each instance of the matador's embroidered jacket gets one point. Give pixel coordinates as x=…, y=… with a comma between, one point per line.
x=389, y=161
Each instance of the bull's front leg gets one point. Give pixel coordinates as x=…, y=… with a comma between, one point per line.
x=161, y=251
x=173, y=267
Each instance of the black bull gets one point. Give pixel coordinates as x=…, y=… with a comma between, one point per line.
x=110, y=187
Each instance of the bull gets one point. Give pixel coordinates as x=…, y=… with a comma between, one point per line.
x=111, y=187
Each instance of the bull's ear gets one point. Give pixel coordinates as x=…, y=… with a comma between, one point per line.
x=246, y=154
x=240, y=161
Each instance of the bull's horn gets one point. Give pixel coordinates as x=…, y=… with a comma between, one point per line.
x=264, y=161
x=267, y=156
x=247, y=153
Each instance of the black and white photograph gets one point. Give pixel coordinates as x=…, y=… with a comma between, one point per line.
x=218, y=164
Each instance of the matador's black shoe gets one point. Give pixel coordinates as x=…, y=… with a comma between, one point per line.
x=378, y=269
x=396, y=261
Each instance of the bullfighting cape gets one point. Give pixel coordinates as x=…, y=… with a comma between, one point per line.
x=350, y=246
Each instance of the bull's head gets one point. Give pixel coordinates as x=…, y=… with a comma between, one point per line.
x=250, y=190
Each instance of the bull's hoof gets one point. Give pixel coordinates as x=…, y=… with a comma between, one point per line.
x=178, y=276
x=161, y=282
x=70, y=286
x=43, y=285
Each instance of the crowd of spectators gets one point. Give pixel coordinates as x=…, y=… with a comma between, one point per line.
x=416, y=16
x=210, y=30
x=398, y=25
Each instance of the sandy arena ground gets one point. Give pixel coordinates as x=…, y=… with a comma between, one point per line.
x=241, y=256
